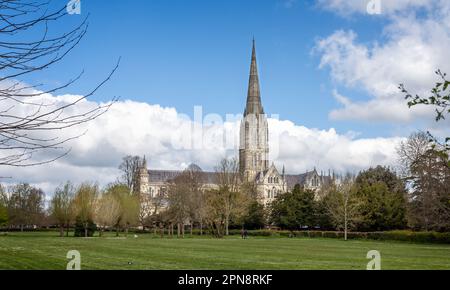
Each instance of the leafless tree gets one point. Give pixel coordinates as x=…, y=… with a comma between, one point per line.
x=343, y=206
x=130, y=168
x=228, y=180
x=179, y=198
x=25, y=206
x=427, y=174
x=84, y=204
x=62, y=208
x=107, y=212
x=30, y=121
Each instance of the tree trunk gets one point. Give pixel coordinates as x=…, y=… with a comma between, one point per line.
x=61, y=231
x=226, y=225
x=192, y=229
x=201, y=228
x=117, y=231
x=178, y=230
x=126, y=231
x=21, y=228
x=67, y=230
x=345, y=225
x=85, y=231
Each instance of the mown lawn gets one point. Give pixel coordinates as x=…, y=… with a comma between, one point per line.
x=48, y=251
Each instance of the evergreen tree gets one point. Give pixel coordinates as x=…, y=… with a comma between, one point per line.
x=294, y=210
x=382, y=200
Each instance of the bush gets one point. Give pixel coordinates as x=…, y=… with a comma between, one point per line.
x=79, y=228
x=405, y=236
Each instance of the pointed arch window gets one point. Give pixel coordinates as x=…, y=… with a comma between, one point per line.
x=247, y=134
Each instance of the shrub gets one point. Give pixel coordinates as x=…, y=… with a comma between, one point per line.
x=79, y=228
x=406, y=236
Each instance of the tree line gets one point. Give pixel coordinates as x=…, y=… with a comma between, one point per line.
x=85, y=208
x=415, y=196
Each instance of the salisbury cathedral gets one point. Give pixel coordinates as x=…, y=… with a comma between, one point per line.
x=254, y=163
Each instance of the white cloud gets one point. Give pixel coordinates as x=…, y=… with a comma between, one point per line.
x=163, y=135
x=302, y=149
x=414, y=45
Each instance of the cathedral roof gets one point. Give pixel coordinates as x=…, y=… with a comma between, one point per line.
x=167, y=175
x=292, y=180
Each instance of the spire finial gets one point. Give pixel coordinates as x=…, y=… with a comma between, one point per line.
x=144, y=162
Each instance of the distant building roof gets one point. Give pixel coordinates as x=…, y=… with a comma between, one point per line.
x=162, y=176
x=168, y=175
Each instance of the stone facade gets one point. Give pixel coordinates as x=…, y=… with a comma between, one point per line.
x=253, y=156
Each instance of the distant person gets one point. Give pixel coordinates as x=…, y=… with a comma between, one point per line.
x=242, y=233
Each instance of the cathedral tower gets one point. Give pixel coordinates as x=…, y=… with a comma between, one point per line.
x=143, y=178
x=254, y=132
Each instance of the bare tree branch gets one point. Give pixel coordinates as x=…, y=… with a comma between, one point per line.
x=30, y=120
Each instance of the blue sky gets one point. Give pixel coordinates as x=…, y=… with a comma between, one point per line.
x=327, y=68
x=184, y=53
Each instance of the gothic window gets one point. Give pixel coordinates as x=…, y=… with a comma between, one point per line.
x=315, y=182
x=247, y=134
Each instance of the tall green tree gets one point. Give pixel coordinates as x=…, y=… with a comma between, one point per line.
x=382, y=200
x=255, y=217
x=294, y=210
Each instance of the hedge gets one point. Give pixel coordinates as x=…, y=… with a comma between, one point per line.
x=407, y=236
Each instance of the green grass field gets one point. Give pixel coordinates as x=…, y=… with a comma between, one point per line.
x=47, y=251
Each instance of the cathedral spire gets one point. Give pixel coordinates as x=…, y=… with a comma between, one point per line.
x=254, y=105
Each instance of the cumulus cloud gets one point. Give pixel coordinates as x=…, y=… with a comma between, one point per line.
x=301, y=149
x=412, y=47
x=171, y=140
